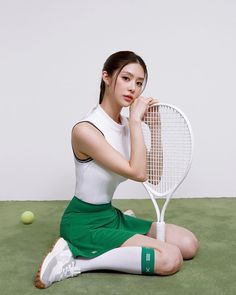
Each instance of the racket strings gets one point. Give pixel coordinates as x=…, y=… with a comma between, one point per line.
x=169, y=147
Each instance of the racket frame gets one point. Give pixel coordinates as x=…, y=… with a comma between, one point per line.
x=160, y=214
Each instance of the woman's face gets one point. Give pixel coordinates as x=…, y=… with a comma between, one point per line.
x=128, y=85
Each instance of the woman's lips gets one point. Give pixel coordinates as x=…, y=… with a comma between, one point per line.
x=128, y=98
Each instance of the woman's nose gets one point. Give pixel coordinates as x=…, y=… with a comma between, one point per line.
x=132, y=86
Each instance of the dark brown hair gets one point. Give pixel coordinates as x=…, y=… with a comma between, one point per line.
x=117, y=61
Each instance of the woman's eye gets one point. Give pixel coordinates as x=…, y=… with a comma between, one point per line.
x=140, y=84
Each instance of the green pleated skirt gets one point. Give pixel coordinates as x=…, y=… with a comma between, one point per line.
x=92, y=230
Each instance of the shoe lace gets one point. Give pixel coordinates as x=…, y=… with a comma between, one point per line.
x=69, y=269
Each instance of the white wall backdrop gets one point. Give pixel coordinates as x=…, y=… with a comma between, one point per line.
x=51, y=56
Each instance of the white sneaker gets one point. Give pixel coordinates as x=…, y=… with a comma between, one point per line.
x=129, y=212
x=58, y=265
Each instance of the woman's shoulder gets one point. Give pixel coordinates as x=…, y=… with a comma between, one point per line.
x=85, y=128
x=87, y=121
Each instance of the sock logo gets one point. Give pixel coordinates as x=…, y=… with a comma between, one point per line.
x=148, y=260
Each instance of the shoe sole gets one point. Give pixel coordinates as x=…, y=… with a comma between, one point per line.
x=56, y=247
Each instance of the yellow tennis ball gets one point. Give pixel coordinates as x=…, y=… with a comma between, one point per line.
x=27, y=217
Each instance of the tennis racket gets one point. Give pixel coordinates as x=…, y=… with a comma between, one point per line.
x=169, y=143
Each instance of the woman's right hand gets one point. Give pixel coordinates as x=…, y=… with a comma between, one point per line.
x=139, y=108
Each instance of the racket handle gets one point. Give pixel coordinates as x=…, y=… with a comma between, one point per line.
x=161, y=231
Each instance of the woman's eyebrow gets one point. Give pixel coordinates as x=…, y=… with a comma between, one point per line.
x=140, y=78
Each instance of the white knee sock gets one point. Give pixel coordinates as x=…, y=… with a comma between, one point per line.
x=123, y=259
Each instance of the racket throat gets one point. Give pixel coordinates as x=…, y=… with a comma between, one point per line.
x=160, y=231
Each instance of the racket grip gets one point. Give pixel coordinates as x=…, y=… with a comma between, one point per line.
x=161, y=231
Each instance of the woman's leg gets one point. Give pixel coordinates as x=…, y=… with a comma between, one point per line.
x=168, y=258
x=140, y=255
x=184, y=239
x=122, y=259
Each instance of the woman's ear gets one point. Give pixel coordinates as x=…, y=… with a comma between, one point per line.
x=106, y=78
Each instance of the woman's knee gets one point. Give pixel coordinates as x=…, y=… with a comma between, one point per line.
x=169, y=261
x=190, y=246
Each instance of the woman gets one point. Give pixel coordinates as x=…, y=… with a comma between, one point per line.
x=108, y=149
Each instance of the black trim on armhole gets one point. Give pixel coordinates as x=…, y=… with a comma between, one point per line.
x=88, y=159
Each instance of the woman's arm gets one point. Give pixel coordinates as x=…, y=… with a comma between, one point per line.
x=87, y=141
x=138, y=149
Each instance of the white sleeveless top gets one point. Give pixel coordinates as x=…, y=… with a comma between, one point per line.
x=94, y=183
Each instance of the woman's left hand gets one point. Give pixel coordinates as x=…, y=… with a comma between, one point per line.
x=153, y=101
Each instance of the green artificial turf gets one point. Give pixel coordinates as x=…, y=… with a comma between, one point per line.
x=212, y=271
